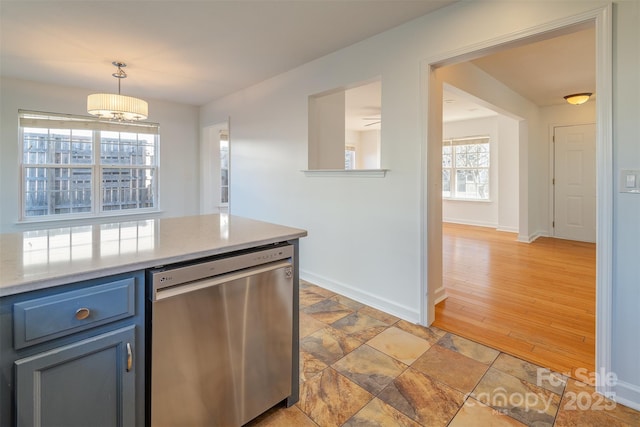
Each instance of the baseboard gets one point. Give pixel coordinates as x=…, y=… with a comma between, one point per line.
x=530, y=238
x=407, y=313
x=508, y=229
x=524, y=239
x=439, y=295
x=481, y=224
x=467, y=222
x=627, y=394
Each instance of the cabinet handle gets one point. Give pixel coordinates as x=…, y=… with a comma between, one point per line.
x=129, y=357
x=82, y=313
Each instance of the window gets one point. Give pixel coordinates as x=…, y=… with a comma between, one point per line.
x=465, y=168
x=224, y=169
x=76, y=166
x=349, y=157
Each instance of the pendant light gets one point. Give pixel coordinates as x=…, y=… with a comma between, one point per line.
x=115, y=106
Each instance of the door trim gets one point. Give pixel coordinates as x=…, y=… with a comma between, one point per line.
x=431, y=206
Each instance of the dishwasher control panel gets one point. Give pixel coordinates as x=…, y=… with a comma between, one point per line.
x=268, y=256
x=168, y=276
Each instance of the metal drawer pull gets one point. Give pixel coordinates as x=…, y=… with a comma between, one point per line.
x=82, y=313
x=129, y=357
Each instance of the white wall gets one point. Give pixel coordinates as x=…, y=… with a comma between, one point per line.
x=364, y=233
x=178, y=139
x=367, y=145
x=508, y=174
x=327, y=131
x=369, y=150
x=626, y=207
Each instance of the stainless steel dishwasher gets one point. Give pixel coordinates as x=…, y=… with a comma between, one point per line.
x=221, y=338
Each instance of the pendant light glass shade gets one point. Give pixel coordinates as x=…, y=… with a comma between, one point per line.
x=115, y=106
x=119, y=107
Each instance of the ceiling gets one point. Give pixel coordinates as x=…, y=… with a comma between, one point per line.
x=363, y=106
x=196, y=51
x=185, y=51
x=547, y=70
x=458, y=105
x=542, y=72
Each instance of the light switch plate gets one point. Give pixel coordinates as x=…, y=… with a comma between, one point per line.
x=630, y=181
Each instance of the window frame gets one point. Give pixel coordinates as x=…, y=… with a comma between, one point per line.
x=36, y=119
x=454, y=168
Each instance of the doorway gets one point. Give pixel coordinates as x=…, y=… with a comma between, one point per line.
x=432, y=205
x=533, y=300
x=215, y=168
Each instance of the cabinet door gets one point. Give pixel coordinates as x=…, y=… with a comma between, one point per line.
x=88, y=383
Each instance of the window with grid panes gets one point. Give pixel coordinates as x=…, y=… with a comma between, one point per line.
x=74, y=166
x=224, y=169
x=465, y=168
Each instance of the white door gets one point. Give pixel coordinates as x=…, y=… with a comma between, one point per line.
x=575, y=182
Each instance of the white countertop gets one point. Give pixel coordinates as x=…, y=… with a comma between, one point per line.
x=40, y=259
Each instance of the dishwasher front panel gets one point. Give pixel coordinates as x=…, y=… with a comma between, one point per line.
x=221, y=353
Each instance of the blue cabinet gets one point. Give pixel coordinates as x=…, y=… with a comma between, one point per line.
x=88, y=383
x=74, y=355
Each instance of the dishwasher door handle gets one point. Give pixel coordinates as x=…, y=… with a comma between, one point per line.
x=163, y=293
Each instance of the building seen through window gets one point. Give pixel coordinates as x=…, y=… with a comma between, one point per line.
x=83, y=167
x=224, y=168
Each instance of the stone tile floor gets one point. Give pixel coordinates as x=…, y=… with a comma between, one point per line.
x=362, y=367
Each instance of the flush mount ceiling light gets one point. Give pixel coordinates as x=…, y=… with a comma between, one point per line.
x=115, y=106
x=578, y=98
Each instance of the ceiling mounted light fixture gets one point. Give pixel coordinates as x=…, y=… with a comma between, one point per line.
x=578, y=98
x=115, y=106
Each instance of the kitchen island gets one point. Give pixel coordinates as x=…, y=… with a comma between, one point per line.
x=50, y=278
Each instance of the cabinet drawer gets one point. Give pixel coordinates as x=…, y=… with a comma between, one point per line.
x=42, y=319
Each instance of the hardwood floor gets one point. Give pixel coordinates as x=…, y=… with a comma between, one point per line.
x=534, y=300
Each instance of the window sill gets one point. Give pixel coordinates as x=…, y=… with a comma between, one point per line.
x=451, y=199
x=368, y=173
